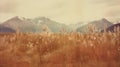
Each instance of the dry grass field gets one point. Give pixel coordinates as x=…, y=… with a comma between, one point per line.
x=60, y=50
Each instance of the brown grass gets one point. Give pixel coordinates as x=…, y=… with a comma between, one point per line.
x=60, y=50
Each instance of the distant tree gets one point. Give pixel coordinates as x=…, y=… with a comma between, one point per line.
x=91, y=28
x=63, y=30
x=45, y=29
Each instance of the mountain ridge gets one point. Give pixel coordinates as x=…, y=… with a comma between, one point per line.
x=98, y=24
x=37, y=25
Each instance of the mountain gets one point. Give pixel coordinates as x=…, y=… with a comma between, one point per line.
x=112, y=28
x=73, y=27
x=99, y=25
x=52, y=25
x=20, y=23
x=39, y=24
x=32, y=25
x=6, y=29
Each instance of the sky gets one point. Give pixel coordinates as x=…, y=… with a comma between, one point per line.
x=64, y=11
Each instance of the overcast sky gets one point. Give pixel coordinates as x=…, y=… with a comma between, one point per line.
x=64, y=11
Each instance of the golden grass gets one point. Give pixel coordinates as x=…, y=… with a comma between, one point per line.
x=60, y=50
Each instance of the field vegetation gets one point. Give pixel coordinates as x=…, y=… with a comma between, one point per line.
x=60, y=49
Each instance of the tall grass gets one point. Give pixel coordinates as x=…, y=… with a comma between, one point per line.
x=60, y=50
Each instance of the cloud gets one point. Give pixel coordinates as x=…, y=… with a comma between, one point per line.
x=66, y=11
x=7, y=6
x=113, y=12
x=59, y=10
x=107, y=2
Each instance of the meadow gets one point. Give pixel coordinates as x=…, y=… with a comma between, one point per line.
x=60, y=49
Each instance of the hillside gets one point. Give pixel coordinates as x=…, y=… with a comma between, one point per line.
x=52, y=25
x=41, y=23
x=113, y=27
x=6, y=29
x=99, y=25
x=21, y=24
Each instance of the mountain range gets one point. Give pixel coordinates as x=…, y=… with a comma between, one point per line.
x=32, y=25
x=38, y=24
